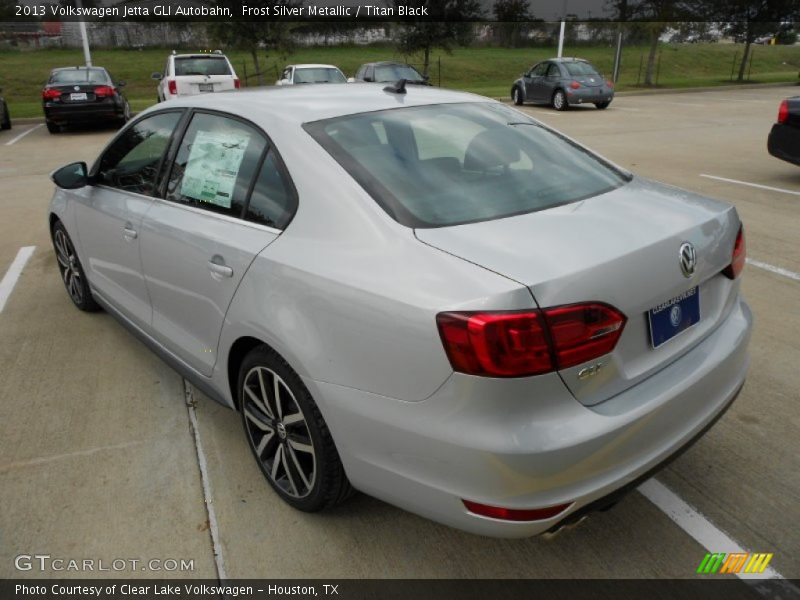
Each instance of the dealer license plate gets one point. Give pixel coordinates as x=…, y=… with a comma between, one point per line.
x=674, y=316
x=206, y=87
x=74, y=97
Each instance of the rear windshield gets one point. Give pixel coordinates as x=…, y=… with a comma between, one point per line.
x=79, y=76
x=202, y=65
x=390, y=73
x=576, y=69
x=318, y=75
x=448, y=164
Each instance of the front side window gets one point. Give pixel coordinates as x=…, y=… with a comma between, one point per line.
x=553, y=70
x=202, y=65
x=441, y=165
x=215, y=164
x=133, y=160
x=539, y=70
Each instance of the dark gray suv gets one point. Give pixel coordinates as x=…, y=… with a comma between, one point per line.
x=562, y=82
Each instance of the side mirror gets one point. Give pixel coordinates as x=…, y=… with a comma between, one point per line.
x=156, y=76
x=120, y=84
x=71, y=176
x=351, y=80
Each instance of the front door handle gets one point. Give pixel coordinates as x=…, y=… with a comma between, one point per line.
x=219, y=269
x=129, y=232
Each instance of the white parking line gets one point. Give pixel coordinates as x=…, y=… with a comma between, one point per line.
x=747, y=183
x=698, y=527
x=213, y=526
x=22, y=135
x=774, y=269
x=12, y=275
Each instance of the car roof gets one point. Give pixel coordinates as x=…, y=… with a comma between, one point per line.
x=78, y=68
x=200, y=55
x=389, y=62
x=312, y=66
x=304, y=104
x=565, y=59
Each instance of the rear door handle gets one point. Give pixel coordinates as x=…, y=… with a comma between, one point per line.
x=218, y=269
x=129, y=232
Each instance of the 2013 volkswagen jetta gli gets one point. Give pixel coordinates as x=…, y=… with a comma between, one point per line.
x=420, y=294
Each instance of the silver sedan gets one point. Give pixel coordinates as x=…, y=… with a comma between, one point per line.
x=424, y=295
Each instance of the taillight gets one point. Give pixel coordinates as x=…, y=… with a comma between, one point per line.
x=104, y=91
x=582, y=332
x=515, y=514
x=738, y=258
x=574, y=85
x=51, y=94
x=783, y=112
x=172, y=86
x=523, y=343
x=236, y=83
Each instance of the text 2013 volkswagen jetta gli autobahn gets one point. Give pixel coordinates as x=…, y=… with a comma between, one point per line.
x=427, y=296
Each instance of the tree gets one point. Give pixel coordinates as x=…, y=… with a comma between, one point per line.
x=446, y=26
x=512, y=16
x=656, y=14
x=252, y=36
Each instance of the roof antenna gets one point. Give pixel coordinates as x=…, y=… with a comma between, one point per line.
x=399, y=87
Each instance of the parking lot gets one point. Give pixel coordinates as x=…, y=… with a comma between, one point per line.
x=99, y=457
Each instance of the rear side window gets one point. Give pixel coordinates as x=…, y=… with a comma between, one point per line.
x=202, y=65
x=272, y=202
x=215, y=164
x=441, y=165
x=133, y=160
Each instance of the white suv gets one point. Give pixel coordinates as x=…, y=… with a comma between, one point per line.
x=191, y=74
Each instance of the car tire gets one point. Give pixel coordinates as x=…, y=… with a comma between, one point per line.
x=6, y=123
x=559, y=100
x=71, y=270
x=516, y=96
x=289, y=437
x=52, y=127
x=602, y=105
x=126, y=115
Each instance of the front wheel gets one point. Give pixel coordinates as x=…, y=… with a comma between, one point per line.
x=516, y=96
x=602, y=105
x=71, y=270
x=287, y=434
x=560, y=100
x=6, y=123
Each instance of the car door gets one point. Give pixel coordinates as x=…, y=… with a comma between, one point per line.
x=197, y=242
x=550, y=81
x=533, y=82
x=109, y=213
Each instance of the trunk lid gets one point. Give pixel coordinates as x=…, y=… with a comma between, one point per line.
x=590, y=80
x=620, y=248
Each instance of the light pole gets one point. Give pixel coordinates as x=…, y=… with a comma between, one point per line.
x=87, y=55
x=561, y=33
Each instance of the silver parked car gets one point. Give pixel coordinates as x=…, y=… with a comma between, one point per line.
x=422, y=294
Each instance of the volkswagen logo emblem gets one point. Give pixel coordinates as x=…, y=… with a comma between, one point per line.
x=675, y=315
x=688, y=259
x=77, y=87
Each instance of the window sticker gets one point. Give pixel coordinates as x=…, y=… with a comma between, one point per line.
x=213, y=166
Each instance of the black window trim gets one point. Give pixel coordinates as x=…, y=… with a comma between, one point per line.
x=268, y=147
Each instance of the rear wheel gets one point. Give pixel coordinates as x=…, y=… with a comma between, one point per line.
x=126, y=115
x=516, y=96
x=560, y=100
x=602, y=105
x=71, y=270
x=6, y=122
x=287, y=434
x=52, y=127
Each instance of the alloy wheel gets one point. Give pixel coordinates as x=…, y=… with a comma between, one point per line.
x=68, y=266
x=278, y=432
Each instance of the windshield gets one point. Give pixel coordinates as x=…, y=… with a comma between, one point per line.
x=318, y=75
x=79, y=76
x=576, y=69
x=202, y=65
x=440, y=165
x=391, y=73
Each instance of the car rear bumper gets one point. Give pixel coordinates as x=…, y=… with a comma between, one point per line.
x=63, y=112
x=589, y=96
x=784, y=143
x=527, y=443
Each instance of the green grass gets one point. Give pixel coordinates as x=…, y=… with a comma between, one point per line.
x=488, y=71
